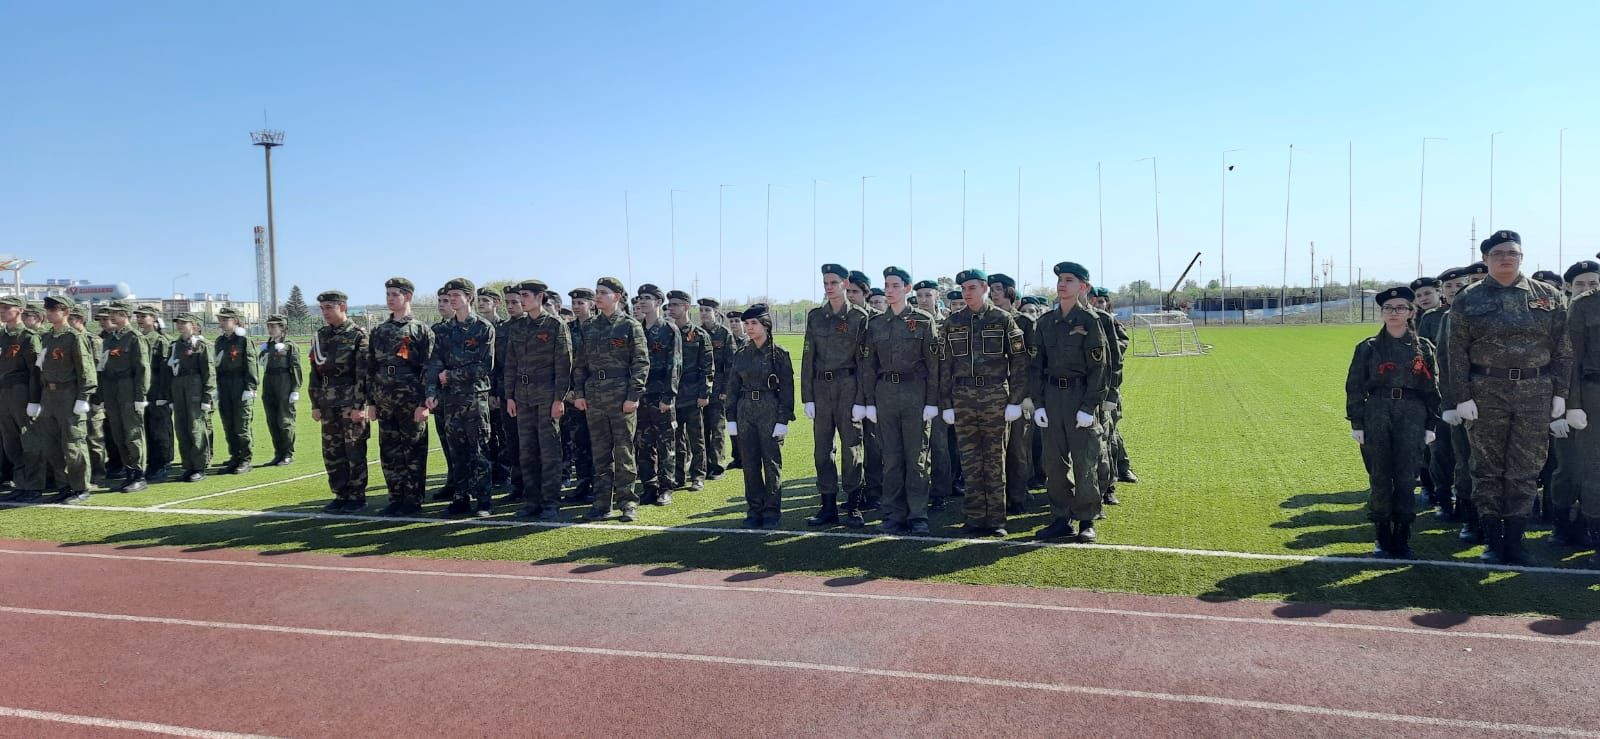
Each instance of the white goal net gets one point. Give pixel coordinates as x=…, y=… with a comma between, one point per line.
x=1165, y=334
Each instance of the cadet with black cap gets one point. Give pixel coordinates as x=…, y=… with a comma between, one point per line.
x=19, y=350
x=830, y=395
x=1549, y=278
x=1391, y=400
x=716, y=411
x=1510, y=361
x=608, y=381
x=877, y=300
x=280, y=388
x=158, y=437
x=900, y=389
x=1019, y=437
x=736, y=330
x=657, y=410
x=124, y=389
x=940, y=476
x=1459, y=472
x=694, y=394
x=575, y=423
x=236, y=389
x=399, y=351
x=983, y=385
x=457, y=381
x=340, y=396
x=1070, y=379
x=538, y=376
x=59, y=403
x=1576, y=485
x=761, y=406
x=1439, y=460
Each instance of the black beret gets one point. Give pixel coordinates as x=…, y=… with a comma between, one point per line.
x=836, y=269
x=911, y=300
x=1073, y=268
x=897, y=272
x=460, y=283
x=566, y=311
x=1548, y=277
x=1002, y=279
x=1476, y=268
x=1454, y=273
x=861, y=279
x=1036, y=300
x=679, y=295
x=710, y=303
x=581, y=293
x=1500, y=237
x=652, y=291
x=611, y=283
x=755, y=311
x=400, y=283
x=970, y=274
x=443, y=291
x=1581, y=268
x=1422, y=282
x=1401, y=292
x=734, y=314
x=926, y=285
x=485, y=292
x=953, y=296
x=876, y=292
x=333, y=296
x=532, y=286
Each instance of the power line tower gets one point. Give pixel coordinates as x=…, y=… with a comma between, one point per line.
x=268, y=140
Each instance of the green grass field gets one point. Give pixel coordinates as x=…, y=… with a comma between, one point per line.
x=1244, y=450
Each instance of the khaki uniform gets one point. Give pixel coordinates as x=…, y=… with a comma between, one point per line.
x=828, y=366
x=57, y=436
x=900, y=377
x=1070, y=375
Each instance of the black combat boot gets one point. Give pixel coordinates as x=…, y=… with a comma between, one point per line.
x=1511, y=531
x=1489, y=534
x=1381, y=547
x=135, y=482
x=1400, y=540
x=828, y=514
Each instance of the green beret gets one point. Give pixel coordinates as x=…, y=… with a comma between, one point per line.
x=861, y=279
x=1002, y=279
x=400, y=283
x=13, y=301
x=926, y=285
x=1100, y=292
x=970, y=274
x=531, y=286
x=876, y=292
x=1073, y=268
x=755, y=311
x=488, y=292
x=581, y=293
x=953, y=296
x=836, y=269
x=650, y=290
x=460, y=283
x=279, y=319
x=333, y=296
x=187, y=318
x=678, y=296
x=611, y=283
x=1033, y=300
x=59, y=300
x=710, y=303
x=897, y=272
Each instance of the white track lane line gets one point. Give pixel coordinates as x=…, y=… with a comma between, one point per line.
x=248, y=488
x=113, y=723
x=881, y=597
x=1363, y=562
x=1293, y=708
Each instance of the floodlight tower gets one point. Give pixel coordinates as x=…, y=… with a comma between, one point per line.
x=267, y=139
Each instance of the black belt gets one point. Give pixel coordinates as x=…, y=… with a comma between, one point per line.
x=1514, y=373
x=758, y=394
x=1591, y=377
x=609, y=374
x=831, y=375
x=1062, y=383
x=978, y=381
x=1394, y=393
x=282, y=371
x=896, y=378
x=61, y=386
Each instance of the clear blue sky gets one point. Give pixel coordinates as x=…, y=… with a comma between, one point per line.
x=497, y=140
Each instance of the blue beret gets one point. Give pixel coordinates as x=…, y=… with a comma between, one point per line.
x=1002, y=279
x=897, y=272
x=1073, y=268
x=844, y=274
x=972, y=273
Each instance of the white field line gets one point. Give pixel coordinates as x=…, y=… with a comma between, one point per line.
x=802, y=593
x=818, y=667
x=113, y=723
x=247, y=488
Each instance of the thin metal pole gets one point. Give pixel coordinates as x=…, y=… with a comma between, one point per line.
x=272, y=242
x=672, y=197
x=1561, y=182
x=1422, y=185
x=864, y=222
x=963, y=219
x=1288, y=192
x=627, y=225
x=814, y=264
x=1350, y=224
x=1223, y=237
x=720, y=188
x=768, y=288
x=911, y=222
x=1100, y=210
x=1491, y=178
x=1019, y=221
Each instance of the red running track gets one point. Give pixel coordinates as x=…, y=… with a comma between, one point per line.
x=312, y=645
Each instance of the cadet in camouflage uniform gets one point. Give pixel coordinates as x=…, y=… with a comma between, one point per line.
x=694, y=394
x=236, y=390
x=940, y=475
x=900, y=389
x=1459, y=446
x=488, y=307
x=857, y=290
x=1069, y=382
x=656, y=416
x=538, y=376
x=508, y=461
x=983, y=385
x=761, y=398
x=608, y=382
x=280, y=388
x=1577, y=509
x=457, y=379
x=1391, y=399
x=59, y=403
x=575, y=423
x=452, y=477
x=194, y=391
x=19, y=350
x=830, y=394
x=1509, y=373
x=715, y=412
x=1429, y=319
x=400, y=349
x=339, y=400
x=124, y=390
x=1019, y=436
x=1107, y=470
x=158, y=415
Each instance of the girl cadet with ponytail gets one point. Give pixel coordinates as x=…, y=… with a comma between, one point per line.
x=760, y=409
x=1392, y=400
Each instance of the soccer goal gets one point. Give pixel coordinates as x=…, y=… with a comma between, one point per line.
x=1165, y=334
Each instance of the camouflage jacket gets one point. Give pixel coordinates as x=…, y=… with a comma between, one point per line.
x=983, y=344
x=1383, y=365
x=339, y=375
x=1073, y=354
x=399, y=350
x=906, y=344
x=464, y=350
x=538, y=359
x=758, y=374
x=613, y=348
x=1583, y=333
x=699, y=366
x=1518, y=326
x=65, y=362
x=833, y=343
x=666, y=362
x=723, y=346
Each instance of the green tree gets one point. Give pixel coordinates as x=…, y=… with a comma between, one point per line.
x=296, y=309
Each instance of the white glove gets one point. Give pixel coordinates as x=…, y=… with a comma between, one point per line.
x=140, y=405
x=1027, y=407
x=1428, y=437
x=1468, y=410
x=1040, y=418
x=1558, y=406
x=1359, y=435
x=949, y=416
x=1559, y=428
x=733, y=428
x=247, y=396
x=1450, y=417
x=239, y=331
x=161, y=404
x=80, y=407
x=811, y=410
x=1085, y=420
x=1578, y=419
x=1013, y=412
x=872, y=413
x=780, y=430
x=858, y=412
x=929, y=411
x=34, y=409
x=294, y=397
x=278, y=347
x=205, y=407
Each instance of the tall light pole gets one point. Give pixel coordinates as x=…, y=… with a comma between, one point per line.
x=1155, y=193
x=268, y=140
x=1100, y=212
x=814, y=264
x=1561, y=183
x=1350, y=226
x=1223, y=238
x=720, y=188
x=1422, y=189
x=1288, y=192
x=1491, y=177
x=672, y=198
x=911, y=222
x=627, y=235
x=963, y=219
x=175, y=279
x=768, y=245
x=1019, y=221
x=864, y=179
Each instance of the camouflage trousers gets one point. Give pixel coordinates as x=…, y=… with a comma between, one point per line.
x=833, y=399
x=872, y=461
x=654, y=448
x=1566, y=482
x=1392, y=450
x=1442, y=464
x=344, y=454
x=715, y=421
x=452, y=478
x=1071, y=456
x=403, y=451
x=1019, y=448
x=466, y=433
x=1509, y=444
x=689, y=445
x=611, y=438
x=981, y=441
x=510, y=457
x=1461, y=453
x=575, y=435
x=538, y=436
x=905, y=450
